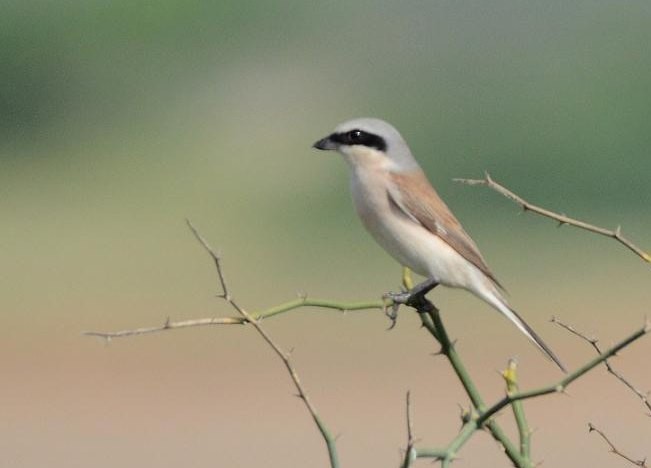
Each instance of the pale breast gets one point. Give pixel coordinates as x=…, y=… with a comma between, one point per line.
x=406, y=241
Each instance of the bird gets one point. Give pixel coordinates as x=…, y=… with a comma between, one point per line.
x=401, y=210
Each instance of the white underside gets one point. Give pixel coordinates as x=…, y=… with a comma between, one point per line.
x=413, y=245
x=410, y=243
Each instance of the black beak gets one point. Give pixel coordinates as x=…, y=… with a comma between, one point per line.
x=325, y=144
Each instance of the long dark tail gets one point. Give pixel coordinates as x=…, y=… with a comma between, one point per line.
x=519, y=322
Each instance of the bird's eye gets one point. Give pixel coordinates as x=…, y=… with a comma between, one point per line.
x=360, y=138
x=355, y=136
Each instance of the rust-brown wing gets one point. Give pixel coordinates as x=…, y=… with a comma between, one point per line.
x=412, y=193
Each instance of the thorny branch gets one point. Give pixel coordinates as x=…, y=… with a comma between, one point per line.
x=644, y=397
x=285, y=357
x=302, y=301
x=480, y=415
x=511, y=378
x=431, y=320
x=615, y=450
x=410, y=454
x=561, y=218
x=484, y=415
x=569, y=378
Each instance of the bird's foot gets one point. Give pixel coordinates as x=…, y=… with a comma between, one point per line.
x=415, y=298
x=392, y=303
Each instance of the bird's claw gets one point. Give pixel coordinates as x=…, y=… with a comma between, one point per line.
x=415, y=298
x=398, y=298
x=392, y=303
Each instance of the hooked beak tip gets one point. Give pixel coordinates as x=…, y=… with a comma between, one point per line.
x=325, y=144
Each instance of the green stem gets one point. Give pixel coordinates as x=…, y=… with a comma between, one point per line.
x=447, y=348
x=439, y=454
x=321, y=303
x=523, y=429
x=511, y=378
x=329, y=440
x=563, y=383
x=433, y=323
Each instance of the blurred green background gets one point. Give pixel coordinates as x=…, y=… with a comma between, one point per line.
x=120, y=119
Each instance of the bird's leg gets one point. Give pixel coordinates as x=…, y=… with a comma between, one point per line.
x=421, y=289
x=415, y=297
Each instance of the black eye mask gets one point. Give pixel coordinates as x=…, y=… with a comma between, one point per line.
x=360, y=137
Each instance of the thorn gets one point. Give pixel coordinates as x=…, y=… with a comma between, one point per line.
x=466, y=415
x=167, y=323
x=618, y=231
x=301, y=295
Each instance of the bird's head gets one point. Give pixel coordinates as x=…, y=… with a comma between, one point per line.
x=367, y=140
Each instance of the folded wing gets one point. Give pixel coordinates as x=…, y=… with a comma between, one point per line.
x=415, y=197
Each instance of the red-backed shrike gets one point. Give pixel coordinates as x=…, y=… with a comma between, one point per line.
x=405, y=215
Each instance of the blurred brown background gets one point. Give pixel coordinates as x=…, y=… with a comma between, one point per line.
x=119, y=119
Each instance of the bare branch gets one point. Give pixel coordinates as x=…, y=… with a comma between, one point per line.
x=431, y=320
x=560, y=218
x=259, y=316
x=285, y=357
x=644, y=397
x=168, y=325
x=410, y=453
x=567, y=380
x=615, y=450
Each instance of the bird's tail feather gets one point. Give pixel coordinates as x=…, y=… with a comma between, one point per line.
x=519, y=322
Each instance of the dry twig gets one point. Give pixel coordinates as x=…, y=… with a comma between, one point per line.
x=410, y=454
x=561, y=218
x=644, y=397
x=613, y=449
x=302, y=301
x=285, y=357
